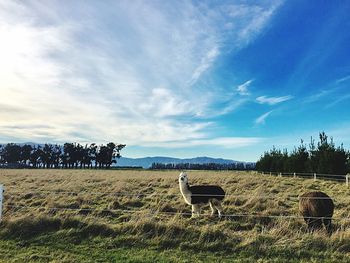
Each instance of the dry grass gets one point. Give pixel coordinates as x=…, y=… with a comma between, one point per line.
x=250, y=237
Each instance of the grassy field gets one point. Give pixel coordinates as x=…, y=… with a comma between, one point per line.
x=81, y=216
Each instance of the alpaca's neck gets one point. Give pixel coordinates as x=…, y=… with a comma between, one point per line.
x=186, y=193
x=183, y=187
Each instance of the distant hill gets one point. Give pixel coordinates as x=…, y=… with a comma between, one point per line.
x=33, y=144
x=146, y=162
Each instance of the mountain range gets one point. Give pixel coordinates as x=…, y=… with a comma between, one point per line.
x=146, y=162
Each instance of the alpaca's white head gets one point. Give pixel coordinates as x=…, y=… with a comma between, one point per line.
x=183, y=179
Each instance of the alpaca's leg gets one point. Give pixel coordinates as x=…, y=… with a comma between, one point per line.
x=313, y=224
x=219, y=208
x=317, y=224
x=198, y=210
x=308, y=221
x=328, y=224
x=195, y=210
x=212, y=206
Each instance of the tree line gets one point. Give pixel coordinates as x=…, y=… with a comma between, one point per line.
x=323, y=158
x=69, y=155
x=206, y=166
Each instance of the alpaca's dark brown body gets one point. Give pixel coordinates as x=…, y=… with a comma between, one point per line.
x=202, y=194
x=317, y=209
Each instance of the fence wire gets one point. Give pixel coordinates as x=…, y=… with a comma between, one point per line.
x=155, y=194
x=156, y=212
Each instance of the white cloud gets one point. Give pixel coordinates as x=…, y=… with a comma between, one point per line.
x=261, y=119
x=123, y=71
x=243, y=88
x=272, y=100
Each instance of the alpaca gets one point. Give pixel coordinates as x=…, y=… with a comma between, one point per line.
x=317, y=208
x=199, y=195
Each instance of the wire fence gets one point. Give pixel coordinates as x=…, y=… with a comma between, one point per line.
x=315, y=176
x=156, y=194
x=157, y=213
x=9, y=207
x=305, y=174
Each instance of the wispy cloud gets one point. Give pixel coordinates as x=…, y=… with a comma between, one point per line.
x=206, y=62
x=329, y=92
x=251, y=27
x=319, y=95
x=123, y=71
x=254, y=26
x=341, y=98
x=346, y=78
x=261, y=119
x=243, y=88
x=272, y=100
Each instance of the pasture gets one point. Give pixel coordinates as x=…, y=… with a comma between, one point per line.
x=140, y=216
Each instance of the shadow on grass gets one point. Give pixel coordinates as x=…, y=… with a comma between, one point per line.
x=74, y=230
x=28, y=227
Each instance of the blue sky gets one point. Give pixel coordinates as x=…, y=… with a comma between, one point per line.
x=175, y=78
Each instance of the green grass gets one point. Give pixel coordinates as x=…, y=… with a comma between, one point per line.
x=41, y=234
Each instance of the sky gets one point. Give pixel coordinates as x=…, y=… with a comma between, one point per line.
x=227, y=79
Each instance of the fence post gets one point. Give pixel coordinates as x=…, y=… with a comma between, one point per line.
x=294, y=175
x=280, y=175
x=1, y=198
x=347, y=179
x=314, y=176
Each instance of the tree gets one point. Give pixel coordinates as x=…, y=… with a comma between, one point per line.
x=11, y=153
x=78, y=155
x=36, y=156
x=273, y=161
x=26, y=151
x=1, y=155
x=85, y=156
x=298, y=160
x=93, y=153
x=71, y=155
x=107, y=155
x=48, y=155
x=56, y=156
x=325, y=158
x=68, y=155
